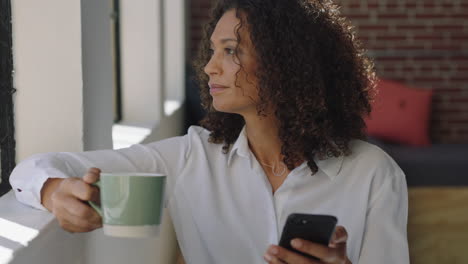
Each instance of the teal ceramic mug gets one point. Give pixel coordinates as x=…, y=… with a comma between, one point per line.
x=131, y=203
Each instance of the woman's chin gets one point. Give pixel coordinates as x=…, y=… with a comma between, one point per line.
x=240, y=109
x=222, y=108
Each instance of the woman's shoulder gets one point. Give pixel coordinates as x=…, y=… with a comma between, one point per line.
x=200, y=136
x=368, y=157
x=198, y=132
x=377, y=170
x=364, y=150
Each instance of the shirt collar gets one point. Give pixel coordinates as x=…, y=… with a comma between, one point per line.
x=331, y=166
x=241, y=146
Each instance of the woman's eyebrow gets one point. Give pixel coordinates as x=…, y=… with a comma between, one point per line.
x=224, y=40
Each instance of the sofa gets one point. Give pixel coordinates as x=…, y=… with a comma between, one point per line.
x=434, y=165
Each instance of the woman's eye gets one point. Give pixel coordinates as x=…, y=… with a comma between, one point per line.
x=230, y=51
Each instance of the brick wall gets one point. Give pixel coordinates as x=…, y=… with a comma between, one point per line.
x=199, y=10
x=423, y=43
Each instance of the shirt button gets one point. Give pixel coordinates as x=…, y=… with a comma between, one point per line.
x=19, y=190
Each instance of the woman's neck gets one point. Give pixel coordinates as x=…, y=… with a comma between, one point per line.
x=262, y=135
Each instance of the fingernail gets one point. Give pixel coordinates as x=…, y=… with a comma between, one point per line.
x=296, y=243
x=267, y=257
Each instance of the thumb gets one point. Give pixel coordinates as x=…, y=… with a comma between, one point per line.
x=339, y=238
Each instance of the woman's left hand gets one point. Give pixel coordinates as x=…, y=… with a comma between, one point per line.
x=335, y=253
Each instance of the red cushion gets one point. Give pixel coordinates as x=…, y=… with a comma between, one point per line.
x=400, y=114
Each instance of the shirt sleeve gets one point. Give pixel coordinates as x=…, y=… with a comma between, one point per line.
x=385, y=237
x=166, y=156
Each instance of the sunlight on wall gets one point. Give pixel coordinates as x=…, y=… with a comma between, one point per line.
x=124, y=136
x=16, y=232
x=170, y=106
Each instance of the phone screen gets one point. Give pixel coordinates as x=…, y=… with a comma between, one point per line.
x=314, y=228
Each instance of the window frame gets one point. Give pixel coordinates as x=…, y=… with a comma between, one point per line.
x=117, y=61
x=7, y=129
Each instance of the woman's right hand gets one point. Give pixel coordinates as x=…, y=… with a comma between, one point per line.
x=67, y=200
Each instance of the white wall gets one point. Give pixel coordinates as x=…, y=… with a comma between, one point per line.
x=174, y=44
x=48, y=76
x=98, y=76
x=140, y=60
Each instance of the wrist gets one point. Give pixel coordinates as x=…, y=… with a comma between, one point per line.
x=49, y=187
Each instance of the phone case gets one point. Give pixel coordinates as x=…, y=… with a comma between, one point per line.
x=314, y=228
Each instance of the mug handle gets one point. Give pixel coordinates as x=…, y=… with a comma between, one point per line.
x=93, y=205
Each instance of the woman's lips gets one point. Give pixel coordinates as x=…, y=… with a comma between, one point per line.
x=216, y=88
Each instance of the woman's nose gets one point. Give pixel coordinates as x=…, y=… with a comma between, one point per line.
x=213, y=65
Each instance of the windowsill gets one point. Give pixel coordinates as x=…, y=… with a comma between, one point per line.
x=19, y=226
x=29, y=235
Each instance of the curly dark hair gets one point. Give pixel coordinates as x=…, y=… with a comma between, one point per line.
x=311, y=68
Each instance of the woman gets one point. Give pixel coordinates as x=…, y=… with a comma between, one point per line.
x=285, y=85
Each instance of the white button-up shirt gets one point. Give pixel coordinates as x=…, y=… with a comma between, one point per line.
x=223, y=207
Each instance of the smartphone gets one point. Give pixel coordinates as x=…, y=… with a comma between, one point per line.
x=314, y=228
